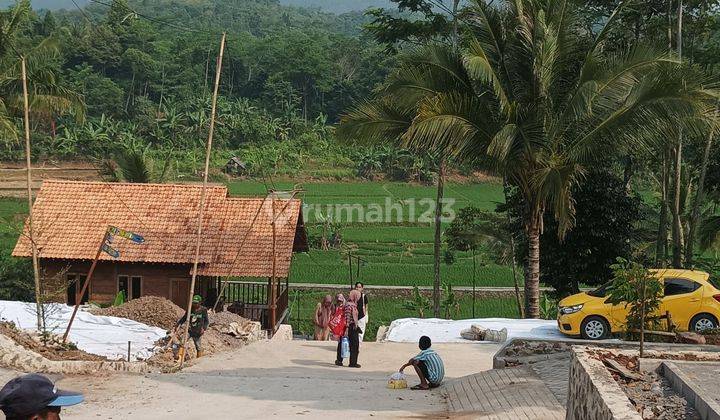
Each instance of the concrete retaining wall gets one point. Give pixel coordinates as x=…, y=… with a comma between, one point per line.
x=502, y=359
x=702, y=400
x=593, y=394
x=17, y=357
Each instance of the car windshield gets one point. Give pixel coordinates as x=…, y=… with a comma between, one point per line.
x=601, y=291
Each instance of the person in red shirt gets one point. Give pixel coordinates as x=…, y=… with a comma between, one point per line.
x=351, y=330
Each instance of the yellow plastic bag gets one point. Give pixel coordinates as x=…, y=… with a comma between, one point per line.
x=397, y=381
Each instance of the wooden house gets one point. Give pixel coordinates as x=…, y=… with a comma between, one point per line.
x=238, y=244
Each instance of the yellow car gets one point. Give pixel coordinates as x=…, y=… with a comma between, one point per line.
x=691, y=297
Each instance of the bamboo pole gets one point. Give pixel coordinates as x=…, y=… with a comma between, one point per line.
x=78, y=300
x=273, y=290
x=203, y=192
x=31, y=230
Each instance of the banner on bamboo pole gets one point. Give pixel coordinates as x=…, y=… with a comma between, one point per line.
x=115, y=231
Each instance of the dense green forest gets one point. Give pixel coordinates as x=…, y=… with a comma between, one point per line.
x=144, y=72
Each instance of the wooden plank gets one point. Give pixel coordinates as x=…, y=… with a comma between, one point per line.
x=622, y=370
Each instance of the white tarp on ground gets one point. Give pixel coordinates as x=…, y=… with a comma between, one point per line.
x=102, y=335
x=409, y=330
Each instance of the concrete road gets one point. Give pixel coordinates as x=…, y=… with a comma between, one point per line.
x=275, y=380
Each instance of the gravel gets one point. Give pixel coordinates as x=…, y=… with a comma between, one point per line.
x=654, y=398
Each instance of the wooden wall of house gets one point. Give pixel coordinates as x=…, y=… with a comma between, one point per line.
x=165, y=280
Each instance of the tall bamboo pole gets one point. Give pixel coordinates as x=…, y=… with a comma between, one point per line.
x=677, y=229
x=31, y=229
x=203, y=193
x=273, y=289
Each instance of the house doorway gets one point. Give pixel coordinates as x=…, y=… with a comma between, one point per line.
x=74, y=285
x=179, y=289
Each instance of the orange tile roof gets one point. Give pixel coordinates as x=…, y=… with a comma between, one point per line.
x=70, y=218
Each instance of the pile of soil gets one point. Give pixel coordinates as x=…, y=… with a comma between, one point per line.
x=712, y=336
x=217, y=339
x=51, y=346
x=150, y=310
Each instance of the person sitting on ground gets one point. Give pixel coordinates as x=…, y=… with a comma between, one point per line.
x=35, y=397
x=199, y=323
x=351, y=330
x=323, y=312
x=428, y=365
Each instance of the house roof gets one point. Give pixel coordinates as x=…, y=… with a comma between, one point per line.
x=70, y=219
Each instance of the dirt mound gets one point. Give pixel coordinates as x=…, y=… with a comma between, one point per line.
x=227, y=331
x=150, y=310
x=51, y=347
x=226, y=318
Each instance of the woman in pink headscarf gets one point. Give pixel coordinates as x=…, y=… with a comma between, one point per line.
x=323, y=311
x=351, y=330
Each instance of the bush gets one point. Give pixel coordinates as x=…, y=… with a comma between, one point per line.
x=16, y=278
x=635, y=287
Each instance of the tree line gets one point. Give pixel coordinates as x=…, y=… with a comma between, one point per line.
x=549, y=94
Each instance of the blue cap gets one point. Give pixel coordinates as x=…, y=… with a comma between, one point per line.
x=30, y=394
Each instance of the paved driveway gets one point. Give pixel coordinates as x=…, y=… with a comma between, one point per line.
x=276, y=380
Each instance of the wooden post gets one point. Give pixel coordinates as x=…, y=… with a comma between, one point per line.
x=86, y=284
x=642, y=317
x=31, y=230
x=273, y=289
x=473, y=278
x=128, y=359
x=350, y=268
x=203, y=192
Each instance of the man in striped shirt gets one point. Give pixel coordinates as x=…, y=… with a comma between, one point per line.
x=428, y=365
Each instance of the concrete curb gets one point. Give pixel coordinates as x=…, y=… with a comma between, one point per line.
x=703, y=402
x=593, y=394
x=501, y=359
x=17, y=357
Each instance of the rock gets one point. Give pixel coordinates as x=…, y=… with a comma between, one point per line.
x=478, y=329
x=284, y=333
x=469, y=334
x=498, y=336
x=690, y=338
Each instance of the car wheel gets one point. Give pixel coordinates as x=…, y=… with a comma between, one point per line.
x=703, y=322
x=594, y=328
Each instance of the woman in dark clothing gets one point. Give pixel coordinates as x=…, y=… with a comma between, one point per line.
x=351, y=330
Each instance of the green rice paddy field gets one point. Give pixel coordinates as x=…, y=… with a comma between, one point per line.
x=395, y=252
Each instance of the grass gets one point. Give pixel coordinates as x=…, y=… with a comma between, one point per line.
x=12, y=214
x=383, y=310
x=396, y=252
x=332, y=267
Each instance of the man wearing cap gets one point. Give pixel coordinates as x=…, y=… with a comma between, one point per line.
x=35, y=397
x=199, y=322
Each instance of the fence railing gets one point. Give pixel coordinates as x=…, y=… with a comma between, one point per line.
x=254, y=298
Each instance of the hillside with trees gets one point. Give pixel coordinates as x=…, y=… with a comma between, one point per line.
x=562, y=107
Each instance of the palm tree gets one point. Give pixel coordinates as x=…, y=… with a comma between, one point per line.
x=710, y=233
x=538, y=102
x=47, y=97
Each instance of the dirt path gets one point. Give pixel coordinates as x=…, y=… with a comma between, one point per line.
x=275, y=380
x=13, y=181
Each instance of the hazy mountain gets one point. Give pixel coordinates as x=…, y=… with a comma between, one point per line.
x=49, y=4
x=334, y=6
